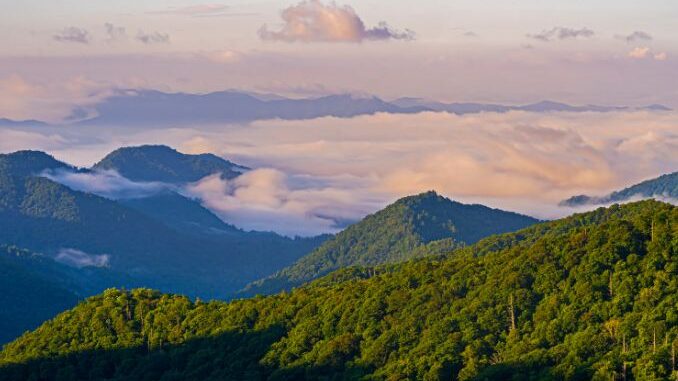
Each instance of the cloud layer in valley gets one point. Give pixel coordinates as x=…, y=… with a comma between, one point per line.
x=314, y=176
x=107, y=184
x=313, y=21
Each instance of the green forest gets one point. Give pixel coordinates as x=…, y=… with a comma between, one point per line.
x=591, y=296
x=412, y=227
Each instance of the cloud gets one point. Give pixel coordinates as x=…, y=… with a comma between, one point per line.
x=49, y=101
x=661, y=56
x=153, y=37
x=115, y=33
x=73, y=34
x=561, y=33
x=635, y=37
x=198, y=10
x=107, y=184
x=522, y=161
x=313, y=21
x=317, y=175
x=267, y=199
x=80, y=259
x=223, y=56
x=639, y=53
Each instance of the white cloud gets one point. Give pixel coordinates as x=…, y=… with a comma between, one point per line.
x=80, y=259
x=52, y=102
x=107, y=184
x=329, y=170
x=268, y=199
x=311, y=20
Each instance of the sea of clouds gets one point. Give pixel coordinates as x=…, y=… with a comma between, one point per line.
x=318, y=175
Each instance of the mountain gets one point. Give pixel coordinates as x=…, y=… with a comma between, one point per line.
x=4, y=122
x=393, y=235
x=155, y=108
x=164, y=164
x=592, y=296
x=665, y=186
x=180, y=212
x=159, y=109
x=44, y=216
x=539, y=107
x=152, y=108
x=25, y=292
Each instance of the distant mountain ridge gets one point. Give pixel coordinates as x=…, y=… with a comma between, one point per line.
x=164, y=164
x=665, y=186
x=159, y=109
x=394, y=234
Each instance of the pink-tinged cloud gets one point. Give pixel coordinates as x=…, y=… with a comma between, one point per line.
x=661, y=56
x=645, y=52
x=639, y=53
x=313, y=21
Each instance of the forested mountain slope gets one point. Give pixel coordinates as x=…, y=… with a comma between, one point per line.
x=592, y=296
x=44, y=216
x=164, y=164
x=663, y=186
x=392, y=235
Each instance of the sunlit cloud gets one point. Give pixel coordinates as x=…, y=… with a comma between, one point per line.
x=639, y=53
x=268, y=199
x=314, y=176
x=313, y=21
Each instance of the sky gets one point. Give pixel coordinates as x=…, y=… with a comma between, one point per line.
x=314, y=176
x=597, y=51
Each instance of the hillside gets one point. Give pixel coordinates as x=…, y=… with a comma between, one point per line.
x=164, y=164
x=26, y=292
x=44, y=216
x=392, y=235
x=592, y=296
x=665, y=186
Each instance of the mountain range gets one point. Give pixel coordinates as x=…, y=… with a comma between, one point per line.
x=588, y=297
x=144, y=237
x=665, y=186
x=160, y=109
x=411, y=227
x=86, y=242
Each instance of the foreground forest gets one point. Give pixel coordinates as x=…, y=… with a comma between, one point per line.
x=592, y=296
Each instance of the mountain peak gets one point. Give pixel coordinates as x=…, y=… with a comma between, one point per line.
x=165, y=164
x=28, y=162
x=394, y=234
